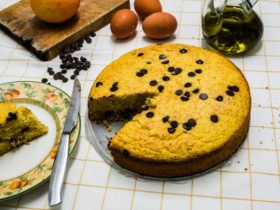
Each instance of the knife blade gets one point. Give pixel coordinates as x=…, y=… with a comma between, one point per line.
x=60, y=163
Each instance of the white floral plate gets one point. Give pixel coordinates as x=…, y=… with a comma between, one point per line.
x=28, y=166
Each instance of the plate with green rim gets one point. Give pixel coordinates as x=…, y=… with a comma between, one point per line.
x=28, y=166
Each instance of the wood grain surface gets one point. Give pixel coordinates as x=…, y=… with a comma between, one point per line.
x=47, y=40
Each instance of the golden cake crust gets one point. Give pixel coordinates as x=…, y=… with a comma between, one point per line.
x=145, y=144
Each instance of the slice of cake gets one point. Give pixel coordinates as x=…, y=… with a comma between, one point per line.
x=18, y=125
x=191, y=109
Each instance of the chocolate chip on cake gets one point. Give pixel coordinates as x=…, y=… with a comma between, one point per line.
x=80, y=45
x=171, y=130
x=171, y=69
x=65, y=80
x=153, y=83
x=165, y=62
x=178, y=92
x=165, y=78
x=198, y=71
x=183, y=50
x=192, y=122
x=80, y=41
x=64, y=71
x=187, y=126
x=165, y=119
x=187, y=94
x=139, y=74
x=73, y=77
x=92, y=34
x=178, y=70
x=144, y=71
x=199, y=62
x=126, y=153
x=188, y=84
x=203, y=96
x=174, y=124
x=184, y=98
x=115, y=84
x=45, y=80
x=214, y=118
x=149, y=62
x=196, y=91
x=140, y=54
x=90, y=97
x=114, y=89
x=108, y=113
x=160, y=88
x=191, y=74
x=150, y=114
x=98, y=84
x=162, y=56
x=230, y=88
x=230, y=93
x=235, y=89
x=12, y=116
x=220, y=98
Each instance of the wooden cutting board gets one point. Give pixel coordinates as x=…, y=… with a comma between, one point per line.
x=47, y=40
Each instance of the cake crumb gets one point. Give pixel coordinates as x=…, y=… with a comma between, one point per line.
x=245, y=169
x=261, y=142
x=238, y=161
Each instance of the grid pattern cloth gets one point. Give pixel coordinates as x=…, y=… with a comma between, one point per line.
x=250, y=182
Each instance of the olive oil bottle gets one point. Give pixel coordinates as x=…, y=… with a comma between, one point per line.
x=232, y=30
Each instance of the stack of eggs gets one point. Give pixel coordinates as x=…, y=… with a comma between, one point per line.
x=156, y=24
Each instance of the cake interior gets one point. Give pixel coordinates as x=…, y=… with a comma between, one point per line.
x=18, y=126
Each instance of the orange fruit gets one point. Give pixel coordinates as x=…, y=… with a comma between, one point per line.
x=55, y=11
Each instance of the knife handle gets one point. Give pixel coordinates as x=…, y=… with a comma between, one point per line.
x=58, y=171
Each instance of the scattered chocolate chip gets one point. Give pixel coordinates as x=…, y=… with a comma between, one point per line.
x=88, y=40
x=178, y=70
x=165, y=119
x=214, y=118
x=64, y=60
x=68, y=66
x=56, y=76
x=62, y=66
x=64, y=71
x=187, y=94
x=196, y=91
x=61, y=77
x=174, y=124
x=153, y=83
x=199, y=62
x=162, y=56
x=187, y=126
x=184, y=98
x=150, y=114
x=220, y=98
x=171, y=130
x=50, y=69
x=188, y=84
x=68, y=55
x=80, y=45
x=178, y=92
x=171, y=69
x=160, y=88
x=126, y=153
x=203, y=96
x=51, y=73
x=73, y=77
x=65, y=80
x=183, y=50
x=77, y=72
x=139, y=74
x=45, y=80
x=62, y=55
x=235, y=88
x=165, y=78
x=165, y=62
x=98, y=84
x=83, y=59
x=140, y=54
x=70, y=60
x=49, y=83
x=114, y=89
x=191, y=74
x=144, y=71
x=67, y=49
x=229, y=93
x=92, y=34
x=73, y=66
x=85, y=67
x=198, y=71
x=192, y=122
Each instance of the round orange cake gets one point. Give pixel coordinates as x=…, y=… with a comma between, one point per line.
x=188, y=109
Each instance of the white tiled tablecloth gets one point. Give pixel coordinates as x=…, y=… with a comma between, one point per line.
x=251, y=182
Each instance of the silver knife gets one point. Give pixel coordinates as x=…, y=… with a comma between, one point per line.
x=59, y=166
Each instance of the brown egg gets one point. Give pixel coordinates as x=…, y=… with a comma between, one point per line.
x=145, y=8
x=160, y=25
x=124, y=23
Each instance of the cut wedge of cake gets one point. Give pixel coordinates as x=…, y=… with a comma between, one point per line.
x=18, y=125
x=191, y=109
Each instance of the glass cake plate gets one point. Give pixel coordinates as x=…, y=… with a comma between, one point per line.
x=98, y=135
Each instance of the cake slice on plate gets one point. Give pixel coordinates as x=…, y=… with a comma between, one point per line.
x=18, y=125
